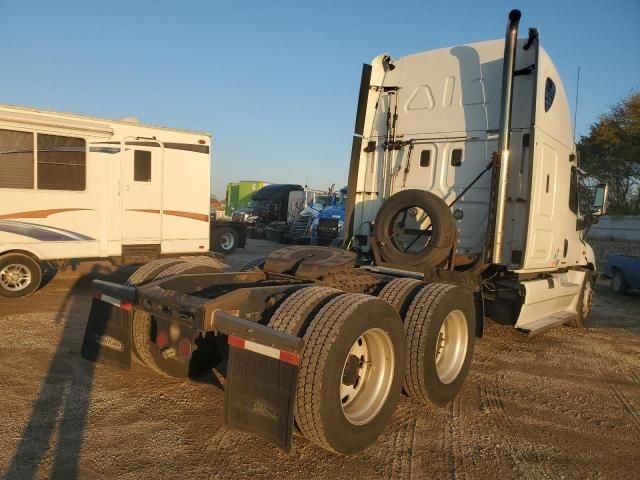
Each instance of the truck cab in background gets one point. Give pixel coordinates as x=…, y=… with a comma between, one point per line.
x=328, y=227
x=269, y=204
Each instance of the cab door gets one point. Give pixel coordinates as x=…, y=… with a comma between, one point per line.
x=141, y=178
x=552, y=238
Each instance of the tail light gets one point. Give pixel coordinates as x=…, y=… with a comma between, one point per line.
x=184, y=347
x=162, y=339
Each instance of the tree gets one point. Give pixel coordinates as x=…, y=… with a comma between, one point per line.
x=611, y=152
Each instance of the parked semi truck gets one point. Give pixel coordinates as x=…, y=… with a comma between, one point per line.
x=272, y=203
x=462, y=190
x=328, y=227
x=240, y=194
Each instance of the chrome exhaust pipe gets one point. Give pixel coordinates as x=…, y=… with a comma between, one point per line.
x=508, y=68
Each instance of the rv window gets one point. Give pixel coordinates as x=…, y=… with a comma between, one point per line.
x=16, y=159
x=549, y=94
x=61, y=163
x=142, y=166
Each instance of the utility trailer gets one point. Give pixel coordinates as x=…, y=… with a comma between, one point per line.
x=321, y=341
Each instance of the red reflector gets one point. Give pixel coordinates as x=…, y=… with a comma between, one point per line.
x=162, y=339
x=126, y=306
x=184, y=347
x=97, y=296
x=288, y=357
x=236, y=341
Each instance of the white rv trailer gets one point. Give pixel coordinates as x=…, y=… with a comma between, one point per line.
x=76, y=187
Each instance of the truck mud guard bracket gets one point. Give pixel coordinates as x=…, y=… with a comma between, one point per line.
x=262, y=377
x=107, y=337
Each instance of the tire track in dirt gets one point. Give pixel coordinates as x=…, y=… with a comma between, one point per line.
x=492, y=401
x=211, y=455
x=402, y=446
x=226, y=446
x=453, y=439
x=606, y=366
x=398, y=444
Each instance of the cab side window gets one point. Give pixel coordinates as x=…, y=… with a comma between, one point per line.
x=573, y=191
x=549, y=94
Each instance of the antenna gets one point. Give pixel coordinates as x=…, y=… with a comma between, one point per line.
x=575, y=112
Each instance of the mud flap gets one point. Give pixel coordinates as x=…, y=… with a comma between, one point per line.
x=107, y=337
x=259, y=396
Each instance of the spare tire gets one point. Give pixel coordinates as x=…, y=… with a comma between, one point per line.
x=430, y=240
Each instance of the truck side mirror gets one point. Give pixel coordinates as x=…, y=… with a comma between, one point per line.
x=599, y=206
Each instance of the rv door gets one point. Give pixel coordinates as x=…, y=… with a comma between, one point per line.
x=141, y=195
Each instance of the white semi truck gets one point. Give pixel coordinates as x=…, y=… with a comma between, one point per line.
x=465, y=201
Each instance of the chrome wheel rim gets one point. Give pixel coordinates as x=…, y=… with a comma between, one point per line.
x=226, y=241
x=367, y=376
x=15, y=277
x=451, y=346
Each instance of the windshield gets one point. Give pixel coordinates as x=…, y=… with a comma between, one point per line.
x=259, y=203
x=323, y=200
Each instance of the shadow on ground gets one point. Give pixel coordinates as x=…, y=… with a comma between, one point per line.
x=63, y=401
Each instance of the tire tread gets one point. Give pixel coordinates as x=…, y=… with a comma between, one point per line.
x=417, y=320
x=185, y=268
x=322, y=332
x=149, y=271
x=295, y=310
x=395, y=292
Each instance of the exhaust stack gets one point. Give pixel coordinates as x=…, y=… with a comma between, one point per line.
x=508, y=67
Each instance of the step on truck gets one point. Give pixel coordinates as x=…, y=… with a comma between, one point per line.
x=463, y=205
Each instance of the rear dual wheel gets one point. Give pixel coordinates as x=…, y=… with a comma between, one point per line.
x=144, y=326
x=440, y=332
x=351, y=366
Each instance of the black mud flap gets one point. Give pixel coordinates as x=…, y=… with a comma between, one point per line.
x=107, y=337
x=260, y=392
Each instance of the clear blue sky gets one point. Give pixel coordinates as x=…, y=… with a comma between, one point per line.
x=276, y=82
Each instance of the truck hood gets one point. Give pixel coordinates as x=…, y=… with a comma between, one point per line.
x=335, y=211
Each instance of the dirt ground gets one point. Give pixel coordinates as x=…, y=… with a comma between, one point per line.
x=562, y=405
